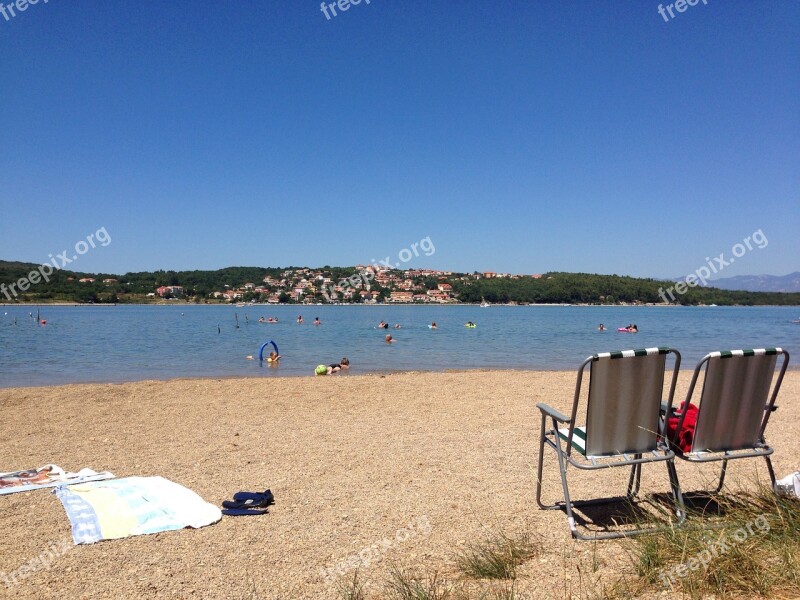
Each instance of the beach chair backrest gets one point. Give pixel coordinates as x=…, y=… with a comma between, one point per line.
x=625, y=393
x=735, y=403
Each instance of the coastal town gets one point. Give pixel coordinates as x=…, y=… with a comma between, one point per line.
x=368, y=285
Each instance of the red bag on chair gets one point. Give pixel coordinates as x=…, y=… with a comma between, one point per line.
x=686, y=434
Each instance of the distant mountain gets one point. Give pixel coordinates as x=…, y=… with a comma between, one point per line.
x=759, y=283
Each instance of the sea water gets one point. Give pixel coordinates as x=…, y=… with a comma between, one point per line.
x=128, y=343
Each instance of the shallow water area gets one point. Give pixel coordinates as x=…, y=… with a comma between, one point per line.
x=130, y=343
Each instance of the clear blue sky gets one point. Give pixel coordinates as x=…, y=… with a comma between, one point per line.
x=518, y=136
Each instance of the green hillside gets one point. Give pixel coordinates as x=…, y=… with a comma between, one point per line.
x=210, y=286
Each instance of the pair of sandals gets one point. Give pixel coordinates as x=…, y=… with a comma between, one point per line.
x=248, y=503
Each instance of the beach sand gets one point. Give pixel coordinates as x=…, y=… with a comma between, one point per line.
x=414, y=464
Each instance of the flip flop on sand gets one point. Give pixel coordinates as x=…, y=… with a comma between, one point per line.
x=247, y=503
x=265, y=497
x=239, y=512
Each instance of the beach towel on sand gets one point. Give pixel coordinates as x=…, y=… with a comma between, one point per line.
x=107, y=510
x=44, y=477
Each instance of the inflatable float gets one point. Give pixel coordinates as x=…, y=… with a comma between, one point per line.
x=264, y=345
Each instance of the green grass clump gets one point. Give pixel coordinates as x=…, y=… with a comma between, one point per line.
x=747, y=546
x=352, y=589
x=496, y=558
x=404, y=585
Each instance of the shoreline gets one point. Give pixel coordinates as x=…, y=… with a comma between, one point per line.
x=235, y=378
x=346, y=375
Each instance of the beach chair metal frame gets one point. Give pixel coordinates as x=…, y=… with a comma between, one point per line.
x=624, y=429
x=739, y=393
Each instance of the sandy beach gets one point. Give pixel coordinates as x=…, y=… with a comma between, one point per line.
x=418, y=464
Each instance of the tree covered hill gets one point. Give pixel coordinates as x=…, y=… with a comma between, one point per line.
x=202, y=286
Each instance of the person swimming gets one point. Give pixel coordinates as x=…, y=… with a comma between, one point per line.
x=432, y=325
x=317, y=321
x=389, y=339
x=299, y=319
x=601, y=327
x=342, y=365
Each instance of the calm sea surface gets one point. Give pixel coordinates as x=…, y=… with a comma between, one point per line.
x=126, y=343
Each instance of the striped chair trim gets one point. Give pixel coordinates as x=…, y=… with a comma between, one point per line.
x=629, y=353
x=578, y=438
x=754, y=352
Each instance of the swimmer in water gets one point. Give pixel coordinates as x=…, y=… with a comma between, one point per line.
x=390, y=339
x=342, y=365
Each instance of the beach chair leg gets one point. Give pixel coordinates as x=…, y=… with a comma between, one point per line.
x=539, y=471
x=562, y=467
x=635, y=479
x=540, y=467
x=771, y=471
x=677, y=496
x=722, y=475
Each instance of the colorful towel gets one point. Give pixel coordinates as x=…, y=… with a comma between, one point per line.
x=108, y=510
x=44, y=477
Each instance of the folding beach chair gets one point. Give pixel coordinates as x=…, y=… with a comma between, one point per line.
x=623, y=428
x=735, y=406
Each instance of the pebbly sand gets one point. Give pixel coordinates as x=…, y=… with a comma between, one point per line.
x=413, y=464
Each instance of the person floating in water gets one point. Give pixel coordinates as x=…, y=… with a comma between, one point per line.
x=397, y=325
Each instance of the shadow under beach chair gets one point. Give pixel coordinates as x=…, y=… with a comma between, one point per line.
x=623, y=428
